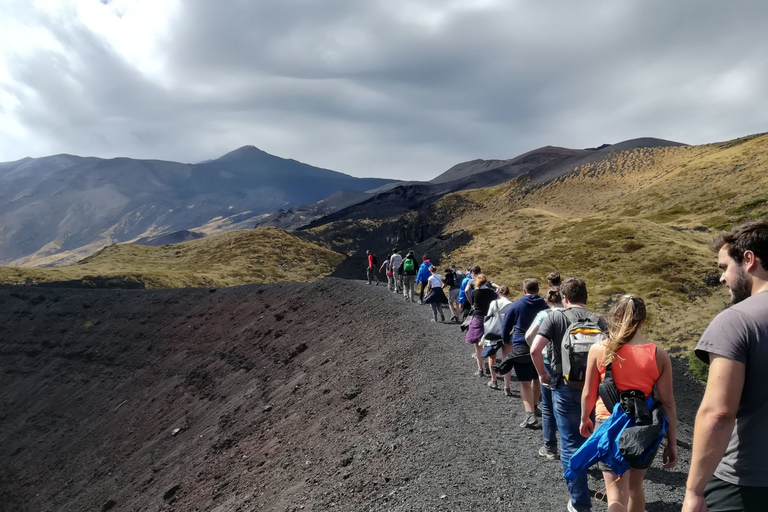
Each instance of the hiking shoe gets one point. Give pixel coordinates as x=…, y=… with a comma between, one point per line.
x=537, y=410
x=571, y=508
x=549, y=455
x=479, y=373
x=530, y=421
x=492, y=384
x=507, y=391
x=442, y=319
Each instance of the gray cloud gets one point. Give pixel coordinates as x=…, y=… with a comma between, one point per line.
x=402, y=89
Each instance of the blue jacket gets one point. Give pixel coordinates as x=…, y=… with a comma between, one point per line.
x=424, y=272
x=603, y=445
x=520, y=316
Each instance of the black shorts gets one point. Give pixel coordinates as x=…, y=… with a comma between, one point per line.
x=721, y=495
x=523, y=364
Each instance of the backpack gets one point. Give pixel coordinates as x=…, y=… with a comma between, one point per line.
x=409, y=265
x=450, y=279
x=375, y=261
x=493, y=325
x=581, y=334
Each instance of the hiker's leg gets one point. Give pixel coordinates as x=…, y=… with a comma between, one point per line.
x=617, y=491
x=548, y=425
x=536, y=391
x=479, y=355
x=506, y=348
x=435, y=310
x=636, y=493
x=526, y=394
x=492, y=361
x=567, y=408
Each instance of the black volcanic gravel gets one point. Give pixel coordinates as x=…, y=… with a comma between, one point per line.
x=333, y=395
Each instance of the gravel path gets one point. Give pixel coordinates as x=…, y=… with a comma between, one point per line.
x=331, y=395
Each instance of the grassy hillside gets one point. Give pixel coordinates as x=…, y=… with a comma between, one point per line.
x=265, y=255
x=638, y=222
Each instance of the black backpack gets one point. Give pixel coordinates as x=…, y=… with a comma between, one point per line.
x=375, y=261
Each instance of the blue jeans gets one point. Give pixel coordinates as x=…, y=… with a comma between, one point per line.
x=567, y=404
x=548, y=425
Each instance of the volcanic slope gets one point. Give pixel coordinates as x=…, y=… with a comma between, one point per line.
x=637, y=221
x=331, y=395
x=264, y=255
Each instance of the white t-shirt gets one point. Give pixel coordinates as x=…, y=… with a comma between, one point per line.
x=435, y=280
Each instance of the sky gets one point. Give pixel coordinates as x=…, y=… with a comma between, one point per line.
x=388, y=88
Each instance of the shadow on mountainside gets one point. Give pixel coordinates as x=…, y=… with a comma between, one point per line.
x=332, y=395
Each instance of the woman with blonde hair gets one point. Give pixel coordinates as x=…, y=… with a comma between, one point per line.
x=481, y=296
x=636, y=364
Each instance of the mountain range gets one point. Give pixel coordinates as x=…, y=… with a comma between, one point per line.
x=60, y=209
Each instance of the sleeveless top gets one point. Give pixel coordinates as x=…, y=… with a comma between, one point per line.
x=633, y=368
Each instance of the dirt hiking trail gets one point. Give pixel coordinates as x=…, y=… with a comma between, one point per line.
x=332, y=395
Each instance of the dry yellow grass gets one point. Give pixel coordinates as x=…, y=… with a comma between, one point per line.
x=638, y=222
x=265, y=255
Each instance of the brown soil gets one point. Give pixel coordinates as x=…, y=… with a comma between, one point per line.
x=325, y=396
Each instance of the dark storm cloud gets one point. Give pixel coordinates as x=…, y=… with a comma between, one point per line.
x=407, y=89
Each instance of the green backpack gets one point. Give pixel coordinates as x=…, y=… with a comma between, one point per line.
x=409, y=265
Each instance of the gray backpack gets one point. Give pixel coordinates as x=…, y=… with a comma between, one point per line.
x=583, y=331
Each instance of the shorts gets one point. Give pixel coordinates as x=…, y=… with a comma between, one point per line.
x=644, y=465
x=721, y=495
x=453, y=295
x=524, y=367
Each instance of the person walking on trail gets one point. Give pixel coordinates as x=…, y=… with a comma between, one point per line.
x=517, y=321
x=728, y=464
x=482, y=296
x=371, y=269
x=409, y=275
x=635, y=363
x=422, y=277
x=490, y=350
x=548, y=425
x=385, y=268
x=436, y=296
x=566, y=393
x=451, y=281
x=466, y=306
x=394, y=264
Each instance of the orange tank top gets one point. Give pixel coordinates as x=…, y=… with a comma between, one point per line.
x=634, y=368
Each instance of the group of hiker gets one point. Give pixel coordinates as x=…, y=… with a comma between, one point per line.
x=607, y=390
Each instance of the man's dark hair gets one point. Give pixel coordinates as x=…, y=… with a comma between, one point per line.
x=424, y=257
x=531, y=285
x=476, y=269
x=575, y=290
x=752, y=236
x=394, y=250
x=554, y=278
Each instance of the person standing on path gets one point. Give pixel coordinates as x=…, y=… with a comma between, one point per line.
x=728, y=463
x=548, y=424
x=436, y=297
x=385, y=268
x=497, y=307
x=635, y=363
x=466, y=306
x=409, y=275
x=517, y=321
x=482, y=296
x=423, y=277
x=371, y=270
x=394, y=264
x=451, y=281
x=565, y=397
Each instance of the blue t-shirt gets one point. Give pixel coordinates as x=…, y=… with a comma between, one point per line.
x=462, y=293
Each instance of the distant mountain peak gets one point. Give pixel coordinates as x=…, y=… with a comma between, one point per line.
x=248, y=151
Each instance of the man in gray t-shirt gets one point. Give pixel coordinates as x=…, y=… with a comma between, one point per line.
x=728, y=469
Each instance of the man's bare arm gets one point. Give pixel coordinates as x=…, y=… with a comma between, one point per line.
x=714, y=421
